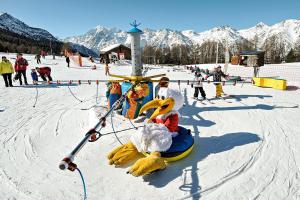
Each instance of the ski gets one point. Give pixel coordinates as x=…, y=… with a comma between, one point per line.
x=209, y=101
x=219, y=98
x=199, y=100
x=225, y=100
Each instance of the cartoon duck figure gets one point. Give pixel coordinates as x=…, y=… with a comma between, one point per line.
x=154, y=138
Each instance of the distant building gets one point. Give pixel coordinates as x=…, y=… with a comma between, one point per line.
x=254, y=59
x=249, y=58
x=115, y=52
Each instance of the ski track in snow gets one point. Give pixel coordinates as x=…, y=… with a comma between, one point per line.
x=246, y=149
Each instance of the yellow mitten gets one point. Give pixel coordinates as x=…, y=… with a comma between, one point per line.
x=123, y=154
x=147, y=165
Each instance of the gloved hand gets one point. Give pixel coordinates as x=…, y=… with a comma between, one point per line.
x=147, y=165
x=123, y=154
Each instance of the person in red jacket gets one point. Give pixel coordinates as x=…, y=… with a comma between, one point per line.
x=20, y=68
x=44, y=72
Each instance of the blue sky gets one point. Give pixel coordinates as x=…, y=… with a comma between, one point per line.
x=67, y=18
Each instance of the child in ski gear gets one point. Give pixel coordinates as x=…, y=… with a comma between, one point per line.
x=21, y=67
x=91, y=59
x=68, y=61
x=38, y=58
x=34, y=77
x=217, y=75
x=6, y=70
x=163, y=82
x=44, y=72
x=106, y=68
x=198, y=85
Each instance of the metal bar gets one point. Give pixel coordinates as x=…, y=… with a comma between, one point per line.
x=67, y=162
x=150, y=80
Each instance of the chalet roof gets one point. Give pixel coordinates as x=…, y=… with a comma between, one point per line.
x=110, y=47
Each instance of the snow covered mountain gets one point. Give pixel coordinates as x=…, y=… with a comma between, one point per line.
x=12, y=24
x=287, y=32
x=224, y=35
x=13, y=30
x=99, y=37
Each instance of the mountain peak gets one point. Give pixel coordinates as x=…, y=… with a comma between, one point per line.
x=223, y=28
x=12, y=24
x=260, y=25
x=6, y=15
x=289, y=22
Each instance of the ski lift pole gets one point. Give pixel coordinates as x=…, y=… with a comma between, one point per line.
x=67, y=162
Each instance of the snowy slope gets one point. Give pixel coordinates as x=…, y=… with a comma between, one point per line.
x=247, y=149
x=12, y=24
x=287, y=32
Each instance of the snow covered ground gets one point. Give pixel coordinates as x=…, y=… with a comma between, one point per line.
x=246, y=149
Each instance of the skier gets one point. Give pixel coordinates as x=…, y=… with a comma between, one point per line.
x=21, y=67
x=6, y=70
x=217, y=75
x=106, y=68
x=38, y=58
x=198, y=86
x=68, y=60
x=34, y=77
x=197, y=69
x=44, y=72
x=91, y=59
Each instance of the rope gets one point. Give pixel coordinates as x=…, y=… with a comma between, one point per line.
x=36, y=96
x=74, y=94
x=113, y=128
x=126, y=129
x=132, y=124
x=83, y=183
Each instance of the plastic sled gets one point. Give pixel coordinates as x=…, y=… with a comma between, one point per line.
x=181, y=146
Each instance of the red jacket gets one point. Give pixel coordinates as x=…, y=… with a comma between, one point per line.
x=21, y=64
x=44, y=71
x=171, y=122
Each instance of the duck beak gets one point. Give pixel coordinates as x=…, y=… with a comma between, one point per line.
x=162, y=107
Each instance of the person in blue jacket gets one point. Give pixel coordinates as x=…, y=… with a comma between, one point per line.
x=34, y=77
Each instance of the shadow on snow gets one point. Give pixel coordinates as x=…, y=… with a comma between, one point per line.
x=204, y=146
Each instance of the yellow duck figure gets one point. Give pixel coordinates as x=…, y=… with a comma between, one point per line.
x=154, y=137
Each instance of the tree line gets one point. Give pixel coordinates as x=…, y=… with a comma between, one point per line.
x=13, y=42
x=275, y=52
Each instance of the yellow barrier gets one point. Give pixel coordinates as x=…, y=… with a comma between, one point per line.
x=279, y=84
